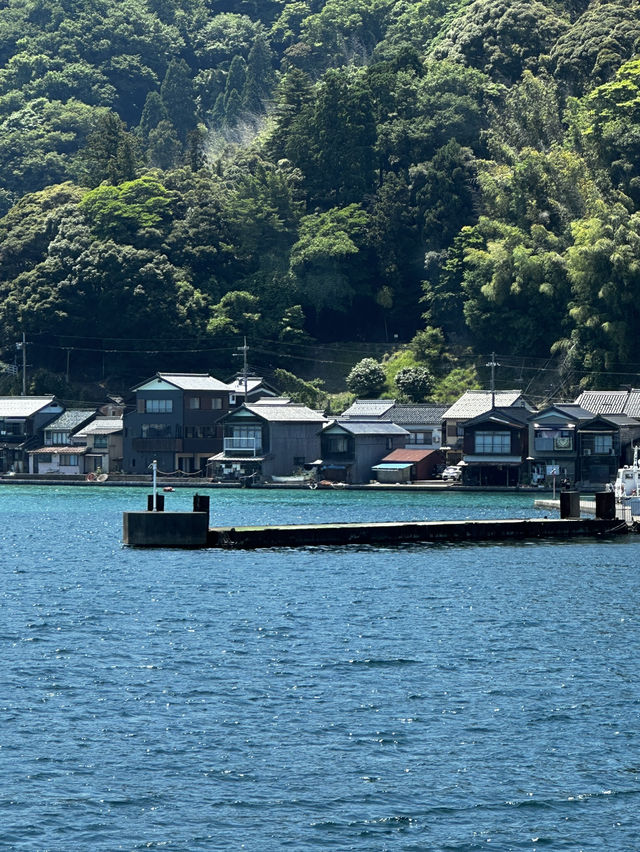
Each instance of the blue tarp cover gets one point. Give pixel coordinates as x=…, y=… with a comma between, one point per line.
x=392, y=466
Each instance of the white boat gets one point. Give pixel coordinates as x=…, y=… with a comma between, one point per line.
x=292, y=480
x=627, y=484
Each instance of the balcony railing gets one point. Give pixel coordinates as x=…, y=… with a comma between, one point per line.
x=245, y=446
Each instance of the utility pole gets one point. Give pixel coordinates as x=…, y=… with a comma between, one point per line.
x=23, y=346
x=67, y=373
x=493, y=364
x=245, y=368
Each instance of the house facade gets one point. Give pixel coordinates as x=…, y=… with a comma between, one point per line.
x=21, y=419
x=271, y=437
x=423, y=422
x=472, y=404
x=553, y=442
x=351, y=448
x=495, y=447
x=175, y=421
x=59, y=454
x=103, y=440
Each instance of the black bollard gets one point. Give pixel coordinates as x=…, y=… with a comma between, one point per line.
x=569, y=504
x=201, y=503
x=606, y=505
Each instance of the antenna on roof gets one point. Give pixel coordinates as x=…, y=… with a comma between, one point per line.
x=493, y=364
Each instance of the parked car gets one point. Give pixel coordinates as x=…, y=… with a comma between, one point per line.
x=452, y=474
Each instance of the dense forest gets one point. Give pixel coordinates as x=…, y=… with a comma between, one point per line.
x=463, y=177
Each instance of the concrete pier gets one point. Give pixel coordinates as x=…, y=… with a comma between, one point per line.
x=403, y=533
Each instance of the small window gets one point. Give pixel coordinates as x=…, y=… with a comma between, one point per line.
x=603, y=444
x=100, y=442
x=194, y=402
x=72, y=460
x=216, y=402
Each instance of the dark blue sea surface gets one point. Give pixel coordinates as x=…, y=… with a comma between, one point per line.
x=459, y=697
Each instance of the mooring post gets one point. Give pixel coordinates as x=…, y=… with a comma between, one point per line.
x=606, y=505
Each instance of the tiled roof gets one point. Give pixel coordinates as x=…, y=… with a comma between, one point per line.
x=474, y=402
x=71, y=419
x=419, y=414
x=100, y=426
x=194, y=381
x=633, y=403
x=603, y=402
x=371, y=427
x=573, y=410
x=368, y=408
x=504, y=414
x=61, y=451
x=285, y=412
x=23, y=406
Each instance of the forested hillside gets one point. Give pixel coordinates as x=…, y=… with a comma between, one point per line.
x=176, y=174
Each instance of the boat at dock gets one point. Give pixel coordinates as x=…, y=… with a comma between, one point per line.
x=627, y=484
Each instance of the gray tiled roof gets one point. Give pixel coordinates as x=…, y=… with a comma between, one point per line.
x=286, y=413
x=633, y=403
x=23, y=406
x=71, y=419
x=418, y=414
x=604, y=402
x=368, y=408
x=474, y=402
x=101, y=426
x=371, y=427
x=571, y=409
x=194, y=381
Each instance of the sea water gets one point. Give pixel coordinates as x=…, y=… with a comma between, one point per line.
x=427, y=697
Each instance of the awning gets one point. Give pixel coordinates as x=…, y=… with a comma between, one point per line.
x=493, y=460
x=392, y=466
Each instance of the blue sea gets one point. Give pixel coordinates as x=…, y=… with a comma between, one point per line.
x=427, y=697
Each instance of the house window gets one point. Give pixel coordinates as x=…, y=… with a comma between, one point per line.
x=243, y=439
x=603, y=444
x=493, y=443
x=44, y=458
x=216, y=402
x=155, y=430
x=53, y=438
x=100, y=442
x=194, y=402
x=158, y=406
x=72, y=460
x=337, y=444
x=420, y=438
x=199, y=431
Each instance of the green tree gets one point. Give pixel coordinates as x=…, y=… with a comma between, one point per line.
x=367, y=379
x=178, y=98
x=415, y=383
x=109, y=154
